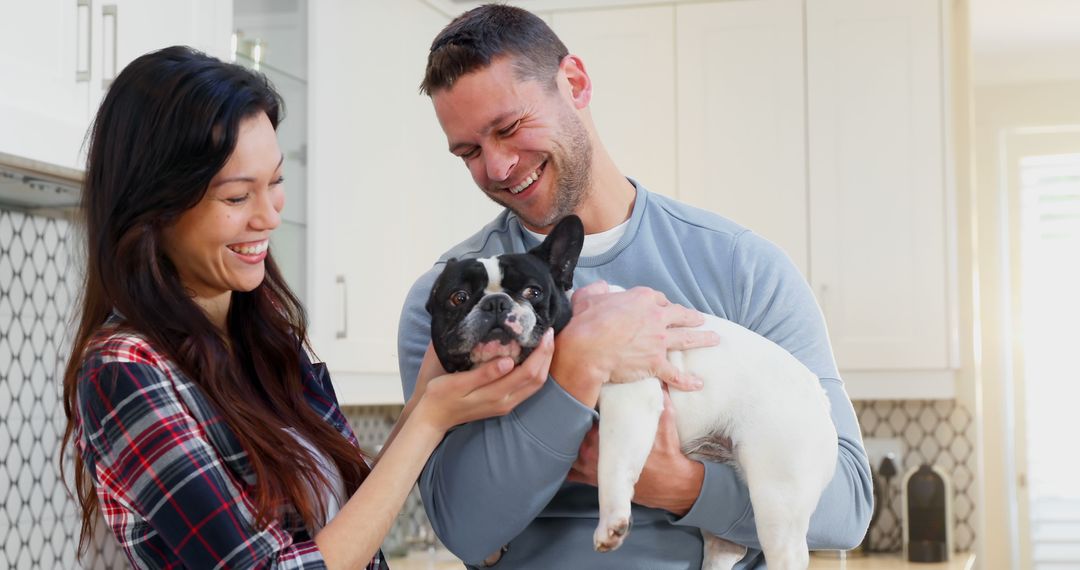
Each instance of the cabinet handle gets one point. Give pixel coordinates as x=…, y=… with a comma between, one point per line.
x=82, y=40
x=344, y=332
x=109, y=21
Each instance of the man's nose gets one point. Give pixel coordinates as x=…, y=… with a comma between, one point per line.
x=499, y=162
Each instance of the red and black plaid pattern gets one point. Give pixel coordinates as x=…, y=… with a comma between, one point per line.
x=173, y=481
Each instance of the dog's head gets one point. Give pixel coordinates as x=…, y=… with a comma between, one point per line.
x=501, y=306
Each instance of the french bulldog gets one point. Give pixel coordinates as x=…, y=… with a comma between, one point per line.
x=760, y=408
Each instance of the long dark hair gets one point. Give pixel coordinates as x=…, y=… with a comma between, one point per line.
x=167, y=125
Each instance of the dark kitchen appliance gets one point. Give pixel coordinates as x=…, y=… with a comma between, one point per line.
x=927, y=514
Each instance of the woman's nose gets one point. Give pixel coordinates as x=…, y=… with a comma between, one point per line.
x=268, y=209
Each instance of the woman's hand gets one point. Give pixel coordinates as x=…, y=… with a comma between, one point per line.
x=493, y=389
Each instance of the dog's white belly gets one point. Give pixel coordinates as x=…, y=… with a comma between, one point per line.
x=771, y=407
x=752, y=385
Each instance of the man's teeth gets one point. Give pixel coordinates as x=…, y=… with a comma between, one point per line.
x=251, y=249
x=525, y=183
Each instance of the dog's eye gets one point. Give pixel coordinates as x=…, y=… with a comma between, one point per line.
x=531, y=293
x=458, y=298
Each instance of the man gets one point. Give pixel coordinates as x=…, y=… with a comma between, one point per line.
x=518, y=491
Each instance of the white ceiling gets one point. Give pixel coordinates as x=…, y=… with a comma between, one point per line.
x=1025, y=40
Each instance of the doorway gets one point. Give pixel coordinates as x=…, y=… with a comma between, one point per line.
x=1045, y=174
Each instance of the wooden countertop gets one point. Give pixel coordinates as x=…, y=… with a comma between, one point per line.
x=821, y=561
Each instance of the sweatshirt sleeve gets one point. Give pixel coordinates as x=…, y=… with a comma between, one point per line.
x=489, y=479
x=772, y=298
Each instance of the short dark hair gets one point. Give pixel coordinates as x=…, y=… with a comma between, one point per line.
x=478, y=36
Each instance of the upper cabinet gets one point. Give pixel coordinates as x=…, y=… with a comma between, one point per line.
x=57, y=58
x=629, y=54
x=741, y=110
x=879, y=193
x=385, y=196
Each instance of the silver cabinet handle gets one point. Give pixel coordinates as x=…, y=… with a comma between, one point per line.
x=344, y=332
x=82, y=40
x=109, y=21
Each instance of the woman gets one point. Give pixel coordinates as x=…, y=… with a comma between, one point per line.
x=204, y=434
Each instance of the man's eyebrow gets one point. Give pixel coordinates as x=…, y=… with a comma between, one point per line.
x=493, y=124
x=244, y=178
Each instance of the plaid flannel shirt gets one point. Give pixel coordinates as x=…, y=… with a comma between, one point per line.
x=173, y=482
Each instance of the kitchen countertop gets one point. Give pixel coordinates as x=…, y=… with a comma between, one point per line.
x=442, y=560
x=890, y=561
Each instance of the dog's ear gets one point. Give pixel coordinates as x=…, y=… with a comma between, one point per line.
x=561, y=250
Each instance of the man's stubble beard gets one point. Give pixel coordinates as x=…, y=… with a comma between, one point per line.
x=572, y=160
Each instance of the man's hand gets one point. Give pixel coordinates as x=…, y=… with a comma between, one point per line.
x=624, y=336
x=670, y=480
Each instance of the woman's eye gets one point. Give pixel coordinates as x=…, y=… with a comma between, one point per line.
x=237, y=199
x=280, y=180
x=531, y=293
x=458, y=298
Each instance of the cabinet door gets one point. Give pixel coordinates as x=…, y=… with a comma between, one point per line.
x=127, y=29
x=742, y=143
x=877, y=181
x=629, y=54
x=385, y=197
x=44, y=104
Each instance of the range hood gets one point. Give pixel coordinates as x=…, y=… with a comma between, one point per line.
x=37, y=187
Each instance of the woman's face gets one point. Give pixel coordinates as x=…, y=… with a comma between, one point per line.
x=219, y=246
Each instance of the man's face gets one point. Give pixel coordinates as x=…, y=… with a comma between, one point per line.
x=522, y=141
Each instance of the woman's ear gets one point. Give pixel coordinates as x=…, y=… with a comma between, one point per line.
x=578, y=79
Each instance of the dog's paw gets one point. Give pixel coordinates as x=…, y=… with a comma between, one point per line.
x=609, y=536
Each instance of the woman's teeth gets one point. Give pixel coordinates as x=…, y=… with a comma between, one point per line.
x=526, y=183
x=251, y=249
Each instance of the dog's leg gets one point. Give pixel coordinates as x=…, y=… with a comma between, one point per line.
x=720, y=554
x=629, y=415
x=784, y=497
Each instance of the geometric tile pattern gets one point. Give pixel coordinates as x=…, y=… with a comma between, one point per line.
x=38, y=521
x=938, y=432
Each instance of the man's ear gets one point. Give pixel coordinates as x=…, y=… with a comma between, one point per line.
x=561, y=250
x=580, y=85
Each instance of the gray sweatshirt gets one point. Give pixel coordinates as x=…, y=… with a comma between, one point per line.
x=501, y=481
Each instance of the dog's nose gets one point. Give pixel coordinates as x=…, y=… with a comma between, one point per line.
x=497, y=304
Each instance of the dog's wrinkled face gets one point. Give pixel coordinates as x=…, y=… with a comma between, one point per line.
x=501, y=306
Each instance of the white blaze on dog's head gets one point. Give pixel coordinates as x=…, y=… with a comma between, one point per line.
x=494, y=274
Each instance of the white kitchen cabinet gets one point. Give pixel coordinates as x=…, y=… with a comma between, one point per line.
x=879, y=197
x=56, y=57
x=741, y=116
x=629, y=54
x=44, y=62
x=385, y=196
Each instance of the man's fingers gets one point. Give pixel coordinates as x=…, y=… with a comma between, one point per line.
x=679, y=339
x=677, y=379
x=680, y=316
x=595, y=288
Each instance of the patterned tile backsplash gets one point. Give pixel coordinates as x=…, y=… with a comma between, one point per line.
x=937, y=432
x=38, y=520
